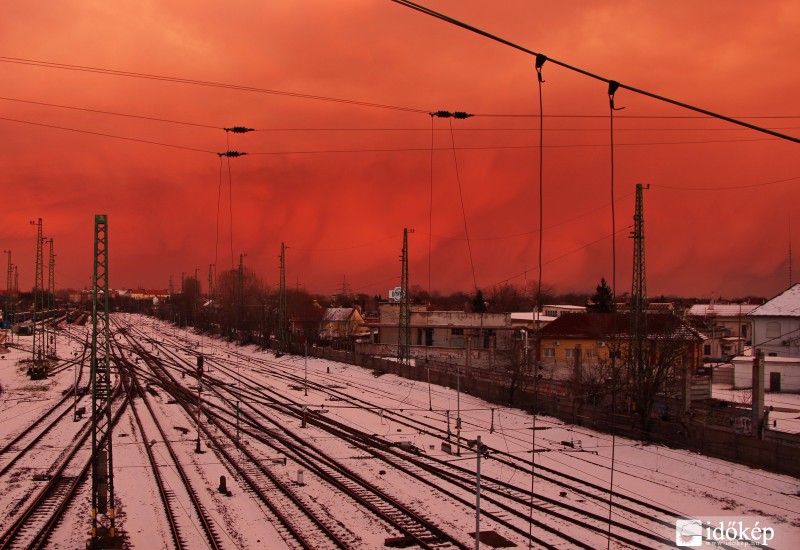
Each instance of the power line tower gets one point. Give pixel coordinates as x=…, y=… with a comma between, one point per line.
x=345, y=288
x=404, y=332
x=51, y=300
x=283, y=314
x=102, y=457
x=638, y=319
x=38, y=369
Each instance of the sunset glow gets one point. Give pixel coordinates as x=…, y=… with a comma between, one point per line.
x=337, y=181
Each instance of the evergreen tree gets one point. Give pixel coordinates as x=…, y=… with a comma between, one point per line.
x=601, y=301
x=478, y=303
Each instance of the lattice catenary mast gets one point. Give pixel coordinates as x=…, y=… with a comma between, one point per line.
x=283, y=315
x=39, y=367
x=638, y=319
x=51, y=300
x=404, y=328
x=102, y=457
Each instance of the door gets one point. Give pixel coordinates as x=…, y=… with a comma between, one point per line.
x=775, y=381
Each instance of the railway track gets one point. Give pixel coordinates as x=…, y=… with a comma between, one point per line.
x=271, y=419
x=39, y=516
x=407, y=522
x=178, y=490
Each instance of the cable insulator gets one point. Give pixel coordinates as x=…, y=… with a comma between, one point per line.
x=442, y=114
x=462, y=114
x=231, y=154
x=239, y=129
x=613, y=86
x=540, y=61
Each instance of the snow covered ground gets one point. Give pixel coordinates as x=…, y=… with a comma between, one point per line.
x=690, y=484
x=785, y=413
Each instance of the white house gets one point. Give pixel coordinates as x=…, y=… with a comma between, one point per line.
x=727, y=327
x=776, y=325
x=781, y=374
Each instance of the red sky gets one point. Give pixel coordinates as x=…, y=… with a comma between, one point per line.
x=714, y=223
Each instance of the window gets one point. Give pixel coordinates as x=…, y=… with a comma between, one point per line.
x=569, y=353
x=487, y=337
x=591, y=353
x=706, y=349
x=456, y=332
x=744, y=331
x=551, y=312
x=550, y=352
x=773, y=329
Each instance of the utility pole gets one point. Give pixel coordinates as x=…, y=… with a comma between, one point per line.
x=103, y=536
x=305, y=371
x=51, y=300
x=197, y=448
x=283, y=315
x=241, y=293
x=404, y=329
x=638, y=319
x=211, y=290
x=458, y=410
x=479, y=451
x=7, y=315
x=196, y=297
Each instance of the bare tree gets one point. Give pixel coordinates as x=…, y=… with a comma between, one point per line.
x=665, y=365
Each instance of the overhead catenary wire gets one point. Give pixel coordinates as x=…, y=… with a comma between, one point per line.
x=664, y=99
x=463, y=209
x=612, y=89
x=207, y=83
x=384, y=150
x=540, y=61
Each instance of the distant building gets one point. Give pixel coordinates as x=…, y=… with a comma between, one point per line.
x=527, y=319
x=147, y=294
x=776, y=324
x=727, y=327
x=582, y=342
x=339, y=323
x=554, y=310
x=468, y=338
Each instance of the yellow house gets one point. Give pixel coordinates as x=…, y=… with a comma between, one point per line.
x=578, y=344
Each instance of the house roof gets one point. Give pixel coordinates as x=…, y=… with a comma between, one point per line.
x=337, y=314
x=785, y=304
x=601, y=326
x=720, y=310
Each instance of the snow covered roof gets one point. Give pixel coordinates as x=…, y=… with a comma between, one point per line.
x=720, y=310
x=337, y=314
x=785, y=304
x=601, y=326
x=528, y=316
